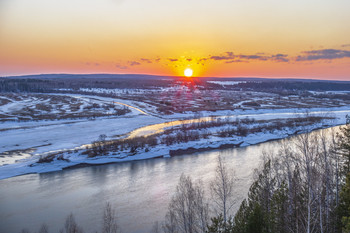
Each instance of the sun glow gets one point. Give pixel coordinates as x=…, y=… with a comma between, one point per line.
x=188, y=72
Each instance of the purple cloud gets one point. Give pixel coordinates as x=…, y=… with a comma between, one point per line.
x=146, y=60
x=134, y=63
x=91, y=64
x=227, y=56
x=173, y=59
x=234, y=61
x=253, y=57
x=230, y=57
x=280, y=57
x=324, y=54
x=119, y=66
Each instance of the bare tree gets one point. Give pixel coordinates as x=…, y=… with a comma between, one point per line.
x=25, y=231
x=155, y=228
x=305, y=144
x=109, y=220
x=71, y=226
x=222, y=189
x=44, y=229
x=188, y=209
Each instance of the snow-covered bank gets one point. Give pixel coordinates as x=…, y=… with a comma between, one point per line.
x=73, y=159
x=67, y=134
x=255, y=112
x=70, y=135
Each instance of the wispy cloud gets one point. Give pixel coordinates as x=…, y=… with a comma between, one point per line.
x=236, y=60
x=92, y=64
x=324, y=54
x=134, y=63
x=173, y=59
x=226, y=56
x=345, y=45
x=122, y=67
x=280, y=57
x=146, y=60
x=230, y=57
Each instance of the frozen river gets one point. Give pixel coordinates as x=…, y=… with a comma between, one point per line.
x=140, y=190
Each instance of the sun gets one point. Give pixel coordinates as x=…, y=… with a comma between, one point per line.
x=188, y=72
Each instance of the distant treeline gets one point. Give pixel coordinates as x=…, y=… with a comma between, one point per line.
x=51, y=85
x=294, y=86
x=45, y=84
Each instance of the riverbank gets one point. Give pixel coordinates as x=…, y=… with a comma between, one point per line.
x=72, y=159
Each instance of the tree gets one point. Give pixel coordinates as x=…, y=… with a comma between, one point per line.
x=218, y=225
x=155, y=228
x=254, y=214
x=343, y=212
x=222, y=189
x=256, y=221
x=188, y=209
x=306, y=148
x=71, y=226
x=44, y=229
x=240, y=219
x=345, y=145
x=109, y=220
x=344, y=207
x=25, y=231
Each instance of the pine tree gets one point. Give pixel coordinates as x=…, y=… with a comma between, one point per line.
x=345, y=145
x=219, y=225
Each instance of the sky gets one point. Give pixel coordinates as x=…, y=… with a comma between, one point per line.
x=215, y=38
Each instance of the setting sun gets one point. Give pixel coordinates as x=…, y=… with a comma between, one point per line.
x=188, y=72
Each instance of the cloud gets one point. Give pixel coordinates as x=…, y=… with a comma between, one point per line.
x=280, y=57
x=119, y=66
x=130, y=63
x=324, y=54
x=173, y=59
x=230, y=57
x=234, y=61
x=134, y=63
x=146, y=60
x=92, y=64
x=227, y=56
x=253, y=57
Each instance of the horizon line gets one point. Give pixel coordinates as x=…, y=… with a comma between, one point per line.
x=177, y=76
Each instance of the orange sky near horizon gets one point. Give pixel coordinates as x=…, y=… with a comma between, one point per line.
x=222, y=38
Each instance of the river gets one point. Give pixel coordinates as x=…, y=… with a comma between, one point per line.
x=139, y=191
